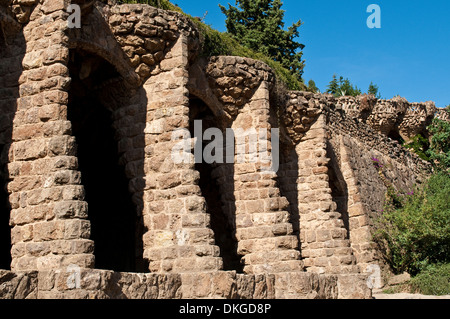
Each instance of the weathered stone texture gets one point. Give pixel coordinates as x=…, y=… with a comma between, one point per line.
x=300, y=232
x=18, y=285
x=395, y=117
x=101, y=284
x=41, y=143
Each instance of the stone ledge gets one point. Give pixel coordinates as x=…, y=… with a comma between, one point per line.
x=76, y=283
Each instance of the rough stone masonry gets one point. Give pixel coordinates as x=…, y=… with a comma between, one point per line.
x=94, y=207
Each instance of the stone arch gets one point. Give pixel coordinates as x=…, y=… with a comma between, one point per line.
x=98, y=109
x=198, y=86
x=95, y=36
x=114, y=57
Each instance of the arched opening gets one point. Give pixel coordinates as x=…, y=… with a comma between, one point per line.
x=5, y=230
x=217, y=186
x=113, y=216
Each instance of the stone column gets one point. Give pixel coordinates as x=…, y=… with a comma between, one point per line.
x=361, y=241
x=264, y=233
x=49, y=214
x=325, y=246
x=179, y=237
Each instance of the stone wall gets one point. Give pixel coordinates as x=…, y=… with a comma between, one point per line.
x=359, y=152
x=300, y=232
x=394, y=118
x=101, y=284
x=328, y=167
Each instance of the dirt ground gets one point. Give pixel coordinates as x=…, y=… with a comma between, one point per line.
x=380, y=295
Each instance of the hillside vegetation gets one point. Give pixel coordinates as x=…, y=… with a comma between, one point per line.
x=414, y=230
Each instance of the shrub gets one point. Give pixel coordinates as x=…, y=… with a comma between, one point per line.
x=439, y=150
x=162, y=4
x=420, y=146
x=415, y=231
x=434, y=280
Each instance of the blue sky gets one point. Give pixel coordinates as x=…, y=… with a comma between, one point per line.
x=408, y=56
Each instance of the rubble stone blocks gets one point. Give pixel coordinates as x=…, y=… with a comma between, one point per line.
x=302, y=231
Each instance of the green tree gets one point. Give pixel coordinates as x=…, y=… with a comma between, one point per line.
x=347, y=89
x=258, y=25
x=374, y=89
x=333, y=86
x=342, y=87
x=312, y=87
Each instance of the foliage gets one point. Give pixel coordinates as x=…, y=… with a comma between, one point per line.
x=162, y=4
x=342, y=87
x=347, y=89
x=258, y=25
x=333, y=86
x=434, y=280
x=414, y=230
x=374, y=89
x=420, y=146
x=215, y=43
x=439, y=150
x=312, y=87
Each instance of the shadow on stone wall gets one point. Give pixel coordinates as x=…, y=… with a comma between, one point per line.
x=5, y=231
x=339, y=189
x=217, y=187
x=12, y=52
x=287, y=181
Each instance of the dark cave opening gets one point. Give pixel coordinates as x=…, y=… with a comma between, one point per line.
x=5, y=229
x=111, y=211
x=223, y=223
x=395, y=135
